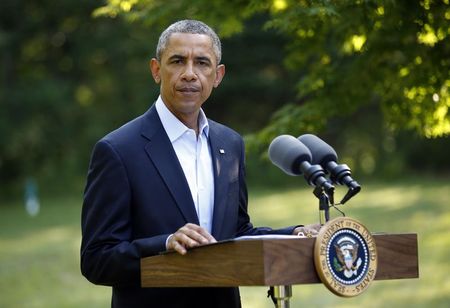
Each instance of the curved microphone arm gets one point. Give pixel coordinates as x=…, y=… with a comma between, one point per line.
x=341, y=174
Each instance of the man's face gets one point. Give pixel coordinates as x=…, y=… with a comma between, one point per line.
x=187, y=72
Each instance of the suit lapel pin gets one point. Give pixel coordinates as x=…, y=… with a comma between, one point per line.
x=221, y=151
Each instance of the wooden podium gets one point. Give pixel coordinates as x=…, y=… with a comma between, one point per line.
x=265, y=261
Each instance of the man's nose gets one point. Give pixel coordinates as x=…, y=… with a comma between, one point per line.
x=189, y=73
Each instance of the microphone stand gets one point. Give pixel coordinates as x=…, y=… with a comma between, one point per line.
x=324, y=203
x=280, y=295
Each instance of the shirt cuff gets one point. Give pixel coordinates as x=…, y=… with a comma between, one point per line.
x=167, y=240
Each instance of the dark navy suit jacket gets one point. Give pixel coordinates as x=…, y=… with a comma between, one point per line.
x=136, y=195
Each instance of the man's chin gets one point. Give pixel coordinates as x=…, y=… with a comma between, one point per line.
x=189, y=106
x=191, y=101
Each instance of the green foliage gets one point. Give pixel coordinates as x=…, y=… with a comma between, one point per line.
x=390, y=52
x=65, y=79
x=228, y=15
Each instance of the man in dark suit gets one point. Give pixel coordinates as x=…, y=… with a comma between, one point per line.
x=170, y=179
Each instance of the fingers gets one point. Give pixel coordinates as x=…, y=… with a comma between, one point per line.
x=188, y=236
x=173, y=244
x=307, y=231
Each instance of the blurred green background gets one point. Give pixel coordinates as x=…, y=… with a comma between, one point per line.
x=372, y=78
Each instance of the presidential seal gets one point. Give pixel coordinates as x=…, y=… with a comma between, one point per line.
x=345, y=256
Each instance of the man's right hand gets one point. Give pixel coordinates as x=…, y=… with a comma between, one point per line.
x=188, y=236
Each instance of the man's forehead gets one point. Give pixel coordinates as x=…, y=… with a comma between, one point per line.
x=186, y=42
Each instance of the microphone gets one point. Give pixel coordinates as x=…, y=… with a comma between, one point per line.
x=324, y=155
x=294, y=158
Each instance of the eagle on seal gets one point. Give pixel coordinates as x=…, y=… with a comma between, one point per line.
x=347, y=255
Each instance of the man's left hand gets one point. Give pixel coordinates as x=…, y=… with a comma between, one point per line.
x=308, y=230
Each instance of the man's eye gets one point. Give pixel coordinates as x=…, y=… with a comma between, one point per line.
x=176, y=60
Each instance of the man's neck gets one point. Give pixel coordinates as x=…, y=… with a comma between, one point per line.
x=190, y=120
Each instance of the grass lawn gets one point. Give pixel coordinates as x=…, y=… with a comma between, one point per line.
x=39, y=256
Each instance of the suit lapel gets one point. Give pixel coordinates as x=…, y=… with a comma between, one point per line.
x=218, y=153
x=165, y=160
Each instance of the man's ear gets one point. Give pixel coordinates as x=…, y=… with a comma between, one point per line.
x=220, y=72
x=155, y=68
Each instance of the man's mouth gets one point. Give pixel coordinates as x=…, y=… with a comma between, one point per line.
x=188, y=89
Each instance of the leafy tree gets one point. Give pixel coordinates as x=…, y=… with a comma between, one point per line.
x=66, y=79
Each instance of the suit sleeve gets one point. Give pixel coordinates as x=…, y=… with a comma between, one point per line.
x=109, y=254
x=245, y=227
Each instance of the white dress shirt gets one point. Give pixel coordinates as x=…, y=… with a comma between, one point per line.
x=194, y=155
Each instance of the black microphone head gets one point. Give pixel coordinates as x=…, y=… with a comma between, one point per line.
x=321, y=152
x=287, y=153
